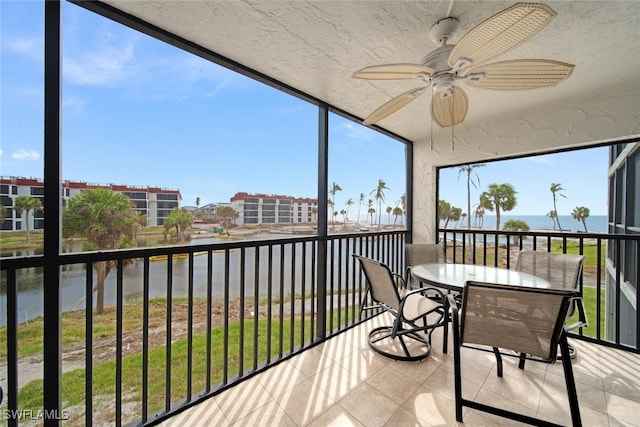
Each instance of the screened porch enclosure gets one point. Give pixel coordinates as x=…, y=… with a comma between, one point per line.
x=190, y=327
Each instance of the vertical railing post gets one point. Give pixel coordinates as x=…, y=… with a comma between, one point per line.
x=12, y=346
x=409, y=193
x=323, y=196
x=52, y=317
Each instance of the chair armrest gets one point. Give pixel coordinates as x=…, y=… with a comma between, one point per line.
x=453, y=308
x=582, y=315
x=425, y=290
x=400, y=282
x=407, y=276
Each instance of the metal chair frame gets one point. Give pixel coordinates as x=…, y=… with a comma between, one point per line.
x=381, y=284
x=545, y=264
x=558, y=339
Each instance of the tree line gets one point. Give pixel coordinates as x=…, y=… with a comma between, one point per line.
x=500, y=198
x=378, y=198
x=109, y=220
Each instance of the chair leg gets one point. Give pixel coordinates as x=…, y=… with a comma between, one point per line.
x=523, y=358
x=496, y=351
x=456, y=368
x=445, y=338
x=573, y=352
x=570, y=381
x=364, y=299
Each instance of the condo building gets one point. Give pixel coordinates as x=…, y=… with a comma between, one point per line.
x=273, y=209
x=154, y=202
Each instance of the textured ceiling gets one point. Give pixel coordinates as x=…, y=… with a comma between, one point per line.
x=315, y=46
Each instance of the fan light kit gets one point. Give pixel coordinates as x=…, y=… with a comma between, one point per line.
x=446, y=67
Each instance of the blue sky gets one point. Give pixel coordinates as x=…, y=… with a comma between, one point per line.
x=140, y=112
x=582, y=174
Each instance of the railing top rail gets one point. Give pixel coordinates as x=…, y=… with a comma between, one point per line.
x=552, y=233
x=10, y=263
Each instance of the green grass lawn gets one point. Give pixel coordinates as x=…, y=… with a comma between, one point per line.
x=588, y=250
x=73, y=382
x=73, y=326
x=589, y=296
x=269, y=346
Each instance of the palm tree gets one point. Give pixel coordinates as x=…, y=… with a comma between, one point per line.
x=389, y=210
x=330, y=204
x=27, y=204
x=553, y=214
x=314, y=212
x=403, y=205
x=181, y=219
x=484, y=204
x=349, y=203
x=333, y=190
x=468, y=169
x=555, y=190
x=379, y=196
x=397, y=211
x=479, y=213
x=499, y=197
x=3, y=213
x=360, y=203
x=344, y=216
x=108, y=220
x=227, y=215
x=581, y=214
x=456, y=214
x=198, y=206
x=516, y=225
x=371, y=211
x=444, y=212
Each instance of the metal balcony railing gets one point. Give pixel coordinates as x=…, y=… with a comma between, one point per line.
x=180, y=323
x=609, y=283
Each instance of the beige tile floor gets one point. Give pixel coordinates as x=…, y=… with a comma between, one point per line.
x=344, y=383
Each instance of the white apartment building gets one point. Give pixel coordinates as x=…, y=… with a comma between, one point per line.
x=273, y=209
x=154, y=202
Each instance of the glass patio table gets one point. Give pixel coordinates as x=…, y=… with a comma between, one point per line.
x=453, y=277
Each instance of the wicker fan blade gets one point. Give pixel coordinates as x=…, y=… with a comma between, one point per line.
x=394, y=105
x=521, y=74
x=393, y=72
x=452, y=110
x=502, y=32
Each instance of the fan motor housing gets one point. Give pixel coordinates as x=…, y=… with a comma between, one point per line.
x=443, y=84
x=437, y=59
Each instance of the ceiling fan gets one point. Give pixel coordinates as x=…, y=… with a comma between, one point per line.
x=444, y=69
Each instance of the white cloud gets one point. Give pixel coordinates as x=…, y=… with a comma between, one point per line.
x=30, y=47
x=176, y=75
x=28, y=155
x=107, y=65
x=349, y=135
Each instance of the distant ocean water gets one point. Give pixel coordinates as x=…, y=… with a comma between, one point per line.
x=595, y=223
